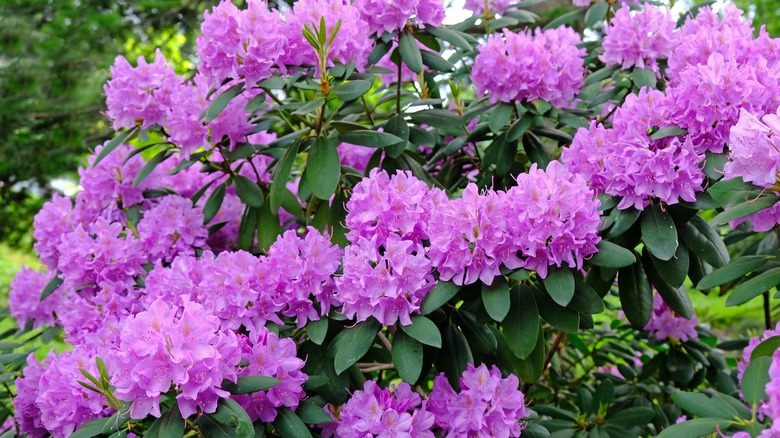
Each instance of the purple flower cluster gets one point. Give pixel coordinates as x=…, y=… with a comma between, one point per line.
x=487, y=404
x=172, y=227
x=625, y=161
x=754, y=154
x=530, y=65
x=489, y=7
x=771, y=406
x=387, y=16
x=24, y=299
x=51, y=399
x=376, y=412
x=665, y=323
x=638, y=40
x=180, y=347
x=269, y=355
x=752, y=344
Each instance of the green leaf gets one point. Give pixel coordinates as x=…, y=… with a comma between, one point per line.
x=746, y=209
x=280, y=176
x=735, y=269
x=317, y=330
x=732, y=191
x=250, y=384
x=370, y=138
x=267, y=226
x=766, y=347
x=601, y=74
x=423, y=330
x=521, y=325
x=560, y=285
x=496, y=299
x=658, y=232
x=355, y=344
x=565, y=18
x=676, y=297
x=456, y=354
x=531, y=368
x=114, y=143
x=754, y=287
x=438, y=118
x=407, y=357
x=51, y=286
x=220, y=102
x=613, y=256
x=451, y=36
x=323, y=169
x=438, y=296
x=397, y=126
x=169, y=425
x=410, y=53
x=352, y=90
x=91, y=428
x=630, y=417
x=310, y=413
x=755, y=379
x=675, y=270
x=704, y=242
x=117, y=420
x=565, y=320
x=643, y=77
x=518, y=128
x=435, y=61
x=289, y=425
x=214, y=203
x=6, y=345
x=636, y=296
x=229, y=421
x=596, y=12
x=700, y=405
x=500, y=116
x=585, y=299
x=480, y=337
x=248, y=191
x=696, y=428
x=668, y=131
x=150, y=166
x=380, y=50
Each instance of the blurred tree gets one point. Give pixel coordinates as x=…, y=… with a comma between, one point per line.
x=763, y=13
x=54, y=57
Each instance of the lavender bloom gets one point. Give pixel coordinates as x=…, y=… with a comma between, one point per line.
x=27, y=414
x=387, y=16
x=639, y=40
x=753, y=154
x=24, y=299
x=752, y=344
x=171, y=227
x=771, y=406
x=140, y=94
x=53, y=221
x=530, y=65
x=269, y=355
x=487, y=404
x=490, y=7
x=665, y=323
x=376, y=412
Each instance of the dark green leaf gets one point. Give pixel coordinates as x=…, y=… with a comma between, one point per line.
x=500, y=116
x=658, y=232
x=451, y=36
x=732, y=191
x=565, y=18
x=397, y=126
x=521, y=325
x=250, y=384
x=424, y=330
x=702, y=406
x=755, y=379
x=560, y=285
x=214, y=203
x=410, y=53
x=229, y=421
x=220, y=102
x=676, y=297
x=438, y=118
x=674, y=270
x=766, y=347
x=456, y=353
x=636, y=296
x=117, y=420
x=696, y=428
x=565, y=320
x=630, y=417
x=352, y=90
x=612, y=256
x=669, y=131
x=280, y=176
x=596, y=12
x=531, y=368
x=317, y=330
x=518, y=128
x=169, y=425
x=438, y=295
x=356, y=342
x=310, y=413
x=150, y=166
x=585, y=299
x=380, y=50
x=746, y=209
x=600, y=75
x=248, y=191
x=407, y=356
x=367, y=137
x=289, y=425
x=267, y=226
x=91, y=428
x=735, y=269
x=704, y=242
x=754, y=287
x=51, y=286
x=496, y=298
x=435, y=61
x=6, y=345
x=343, y=126
x=323, y=169
x=114, y=143
x=643, y=77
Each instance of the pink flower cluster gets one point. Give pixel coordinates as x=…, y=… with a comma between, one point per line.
x=771, y=406
x=180, y=347
x=665, y=323
x=172, y=227
x=638, y=40
x=387, y=16
x=376, y=412
x=486, y=405
x=625, y=161
x=530, y=65
x=489, y=7
x=26, y=304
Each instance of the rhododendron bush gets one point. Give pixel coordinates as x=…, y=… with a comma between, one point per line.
x=352, y=220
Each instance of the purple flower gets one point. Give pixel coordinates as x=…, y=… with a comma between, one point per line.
x=24, y=299
x=487, y=404
x=488, y=8
x=530, y=65
x=753, y=154
x=387, y=16
x=53, y=221
x=665, y=323
x=171, y=227
x=387, y=281
x=355, y=156
x=638, y=40
x=376, y=412
x=140, y=94
x=27, y=414
x=269, y=355
x=752, y=344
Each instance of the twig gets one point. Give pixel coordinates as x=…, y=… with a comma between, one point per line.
x=378, y=367
x=385, y=341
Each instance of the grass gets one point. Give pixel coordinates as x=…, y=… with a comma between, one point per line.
x=11, y=261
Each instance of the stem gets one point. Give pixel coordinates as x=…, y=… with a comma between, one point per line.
x=767, y=312
x=556, y=342
x=368, y=112
x=398, y=90
x=378, y=367
x=385, y=341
